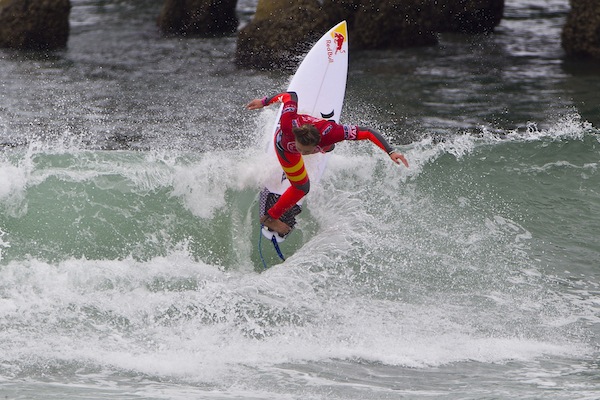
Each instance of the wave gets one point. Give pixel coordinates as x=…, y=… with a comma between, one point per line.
x=145, y=262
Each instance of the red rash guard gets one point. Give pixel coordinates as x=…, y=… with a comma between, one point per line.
x=290, y=158
x=331, y=132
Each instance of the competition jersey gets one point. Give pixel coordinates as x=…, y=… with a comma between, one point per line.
x=331, y=132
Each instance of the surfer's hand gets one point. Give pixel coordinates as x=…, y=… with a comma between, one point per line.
x=255, y=104
x=397, y=158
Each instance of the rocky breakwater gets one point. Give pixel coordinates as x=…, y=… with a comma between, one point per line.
x=34, y=24
x=281, y=30
x=581, y=33
x=279, y=33
x=203, y=18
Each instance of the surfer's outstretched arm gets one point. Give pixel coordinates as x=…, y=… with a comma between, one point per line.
x=265, y=101
x=379, y=140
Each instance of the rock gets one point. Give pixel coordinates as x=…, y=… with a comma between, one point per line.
x=266, y=10
x=198, y=17
x=393, y=24
x=282, y=30
x=468, y=16
x=340, y=10
x=581, y=32
x=280, y=33
x=34, y=24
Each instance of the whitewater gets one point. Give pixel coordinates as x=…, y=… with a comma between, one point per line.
x=129, y=263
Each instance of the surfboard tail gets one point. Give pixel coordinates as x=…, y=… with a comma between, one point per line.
x=268, y=199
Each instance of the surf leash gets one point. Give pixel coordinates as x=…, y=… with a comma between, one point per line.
x=275, y=244
x=260, y=248
x=277, y=249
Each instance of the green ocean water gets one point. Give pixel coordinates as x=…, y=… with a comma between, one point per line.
x=129, y=262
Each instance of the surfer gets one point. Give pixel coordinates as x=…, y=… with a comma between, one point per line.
x=301, y=134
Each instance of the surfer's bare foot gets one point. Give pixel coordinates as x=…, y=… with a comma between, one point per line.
x=275, y=225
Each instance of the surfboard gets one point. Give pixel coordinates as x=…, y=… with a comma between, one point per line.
x=320, y=82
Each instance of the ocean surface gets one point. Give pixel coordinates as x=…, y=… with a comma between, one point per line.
x=129, y=262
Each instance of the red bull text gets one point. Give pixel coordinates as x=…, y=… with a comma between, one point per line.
x=335, y=45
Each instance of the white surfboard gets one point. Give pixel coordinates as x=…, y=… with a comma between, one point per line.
x=320, y=83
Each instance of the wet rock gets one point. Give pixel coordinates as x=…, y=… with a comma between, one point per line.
x=281, y=29
x=468, y=16
x=198, y=17
x=581, y=33
x=280, y=33
x=393, y=24
x=34, y=24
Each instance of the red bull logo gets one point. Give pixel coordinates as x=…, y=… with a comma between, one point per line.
x=335, y=45
x=339, y=40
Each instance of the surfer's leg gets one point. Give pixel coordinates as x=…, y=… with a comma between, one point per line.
x=293, y=166
x=287, y=200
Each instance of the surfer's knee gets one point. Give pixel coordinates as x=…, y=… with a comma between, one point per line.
x=305, y=187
